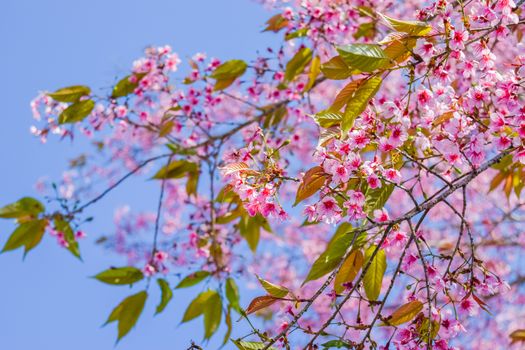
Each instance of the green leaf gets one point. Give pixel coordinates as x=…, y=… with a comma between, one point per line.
x=166, y=295
x=365, y=57
x=336, y=344
x=376, y=198
x=359, y=100
x=297, y=34
x=428, y=330
x=228, y=321
x=337, y=69
x=232, y=294
x=226, y=73
x=120, y=275
x=415, y=28
x=315, y=69
x=76, y=112
x=197, y=306
x=127, y=313
x=273, y=289
x=125, y=86
x=70, y=93
x=69, y=236
x=333, y=254
x=373, y=277
x=250, y=345
x=28, y=234
x=176, y=170
x=26, y=206
x=298, y=63
x=212, y=315
x=193, y=279
x=250, y=229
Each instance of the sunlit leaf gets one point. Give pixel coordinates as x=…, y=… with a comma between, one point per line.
x=349, y=270
x=365, y=57
x=250, y=345
x=404, y=313
x=359, y=100
x=327, y=119
x=376, y=198
x=373, y=278
x=273, y=289
x=297, y=64
x=336, y=69
x=175, y=170
x=315, y=69
x=415, y=28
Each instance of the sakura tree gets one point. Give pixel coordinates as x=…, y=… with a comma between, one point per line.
x=365, y=176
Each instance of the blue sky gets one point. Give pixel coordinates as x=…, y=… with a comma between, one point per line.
x=48, y=301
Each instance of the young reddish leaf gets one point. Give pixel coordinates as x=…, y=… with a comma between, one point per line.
x=276, y=23
x=349, y=270
x=404, y=313
x=344, y=95
x=517, y=336
x=261, y=303
x=312, y=182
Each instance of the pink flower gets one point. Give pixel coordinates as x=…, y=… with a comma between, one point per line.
x=458, y=39
x=381, y=215
x=373, y=181
x=328, y=210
